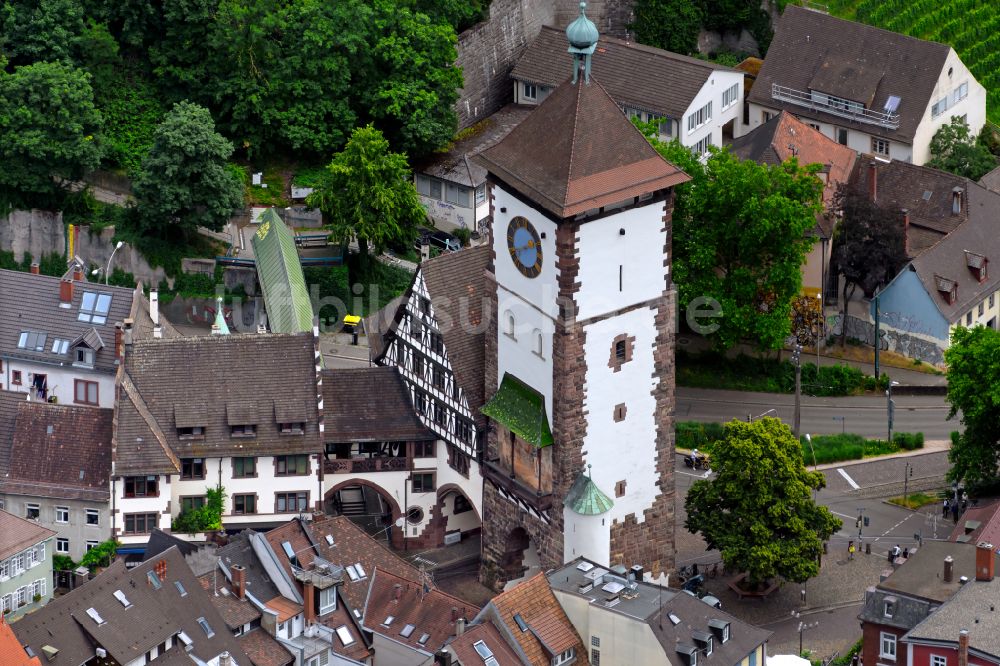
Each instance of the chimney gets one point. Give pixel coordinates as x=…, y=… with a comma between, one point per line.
x=127, y=332
x=873, y=181
x=984, y=561
x=154, y=312
x=460, y=626
x=949, y=567
x=119, y=342
x=66, y=293
x=956, y=201
x=906, y=231
x=963, y=647
x=34, y=268
x=239, y=578
x=454, y=614
x=77, y=274
x=309, y=603
x=225, y=659
x=397, y=591
x=442, y=658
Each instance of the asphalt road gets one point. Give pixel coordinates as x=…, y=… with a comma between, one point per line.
x=864, y=415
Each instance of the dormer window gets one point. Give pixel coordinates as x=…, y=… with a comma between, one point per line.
x=191, y=432
x=243, y=431
x=889, y=606
x=94, y=307
x=720, y=628
x=948, y=289
x=978, y=265
x=704, y=641
x=83, y=356
x=689, y=652
x=294, y=428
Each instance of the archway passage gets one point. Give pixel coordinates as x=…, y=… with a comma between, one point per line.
x=520, y=559
x=368, y=506
x=457, y=510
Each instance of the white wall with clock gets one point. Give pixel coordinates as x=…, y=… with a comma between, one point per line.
x=618, y=270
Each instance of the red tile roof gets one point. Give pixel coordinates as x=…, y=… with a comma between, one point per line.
x=465, y=653
x=988, y=529
x=577, y=152
x=235, y=611
x=302, y=547
x=285, y=608
x=429, y=611
x=11, y=651
x=357, y=649
x=263, y=649
x=549, y=630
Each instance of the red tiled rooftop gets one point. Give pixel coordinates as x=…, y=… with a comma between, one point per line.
x=534, y=601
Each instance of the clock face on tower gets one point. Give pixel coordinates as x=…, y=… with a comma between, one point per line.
x=525, y=247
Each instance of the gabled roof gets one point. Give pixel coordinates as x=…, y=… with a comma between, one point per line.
x=263, y=649
x=456, y=165
x=485, y=634
x=58, y=451
x=415, y=611
x=991, y=181
x=978, y=524
x=160, y=541
x=293, y=532
x=635, y=75
x=921, y=576
x=695, y=617
x=352, y=415
x=351, y=546
x=548, y=631
x=815, y=51
x=17, y=534
x=239, y=551
x=12, y=650
x=30, y=303
x=9, y=402
x=279, y=271
x=948, y=259
x=172, y=381
x=343, y=621
x=925, y=192
x=127, y=633
x=971, y=609
x=577, y=151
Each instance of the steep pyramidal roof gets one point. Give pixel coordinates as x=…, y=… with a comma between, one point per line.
x=577, y=152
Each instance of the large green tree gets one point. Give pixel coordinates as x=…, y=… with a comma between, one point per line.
x=955, y=149
x=368, y=194
x=668, y=24
x=759, y=510
x=973, y=360
x=740, y=237
x=184, y=182
x=37, y=30
x=49, y=131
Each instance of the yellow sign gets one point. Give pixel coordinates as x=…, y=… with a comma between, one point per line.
x=352, y=320
x=70, y=231
x=263, y=229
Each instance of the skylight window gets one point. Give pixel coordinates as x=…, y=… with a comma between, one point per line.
x=60, y=346
x=180, y=588
x=154, y=580
x=95, y=616
x=492, y=661
x=360, y=570
x=520, y=622
x=344, y=634
x=94, y=307
x=120, y=596
x=388, y=620
x=32, y=341
x=424, y=638
x=482, y=649
x=674, y=620
x=407, y=631
x=329, y=540
x=203, y=623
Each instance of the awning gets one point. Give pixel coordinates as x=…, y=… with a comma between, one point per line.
x=520, y=409
x=131, y=550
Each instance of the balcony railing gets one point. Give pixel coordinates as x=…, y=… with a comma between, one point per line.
x=501, y=477
x=860, y=114
x=361, y=465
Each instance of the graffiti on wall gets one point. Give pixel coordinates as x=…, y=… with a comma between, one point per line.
x=889, y=339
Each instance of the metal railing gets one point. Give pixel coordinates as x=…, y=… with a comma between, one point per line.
x=863, y=115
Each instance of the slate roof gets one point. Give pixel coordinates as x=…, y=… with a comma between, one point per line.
x=279, y=271
x=128, y=633
x=17, y=534
x=695, y=615
x=456, y=282
x=31, y=303
x=240, y=551
x=57, y=451
x=925, y=192
x=815, y=51
x=577, y=151
x=159, y=541
x=991, y=181
x=979, y=234
x=352, y=545
x=369, y=405
x=974, y=601
x=988, y=530
x=907, y=612
x=635, y=75
x=464, y=652
x=142, y=323
x=456, y=164
x=271, y=378
x=921, y=575
x=263, y=649
x=430, y=612
x=9, y=402
x=549, y=630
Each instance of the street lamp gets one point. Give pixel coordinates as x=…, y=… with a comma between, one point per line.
x=107, y=269
x=751, y=417
x=802, y=627
x=797, y=360
x=890, y=408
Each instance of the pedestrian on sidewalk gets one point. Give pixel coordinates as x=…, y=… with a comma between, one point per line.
x=850, y=550
x=906, y=553
x=945, y=509
x=896, y=551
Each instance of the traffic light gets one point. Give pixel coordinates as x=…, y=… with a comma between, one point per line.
x=866, y=521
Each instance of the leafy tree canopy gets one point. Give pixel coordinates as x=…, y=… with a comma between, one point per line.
x=368, y=194
x=41, y=30
x=49, y=131
x=955, y=149
x=740, y=237
x=185, y=183
x=869, y=247
x=973, y=360
x=668, y=24
x=758, y=511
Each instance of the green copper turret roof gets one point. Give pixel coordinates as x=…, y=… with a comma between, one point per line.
x=582, y=33
x=585, y=498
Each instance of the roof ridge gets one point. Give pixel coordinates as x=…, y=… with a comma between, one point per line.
x=140, y=405
x=572, y=134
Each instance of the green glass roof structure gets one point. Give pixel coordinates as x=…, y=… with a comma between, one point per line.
x=585, y=498
x=520, y=409
x=286, y=298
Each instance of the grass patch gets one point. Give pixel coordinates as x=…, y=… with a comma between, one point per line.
x=257, y=195
x=913, y=500
x=309, y=176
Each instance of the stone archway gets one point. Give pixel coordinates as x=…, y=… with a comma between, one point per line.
x=520, y=558
x=368, y=505
x=453, y=511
